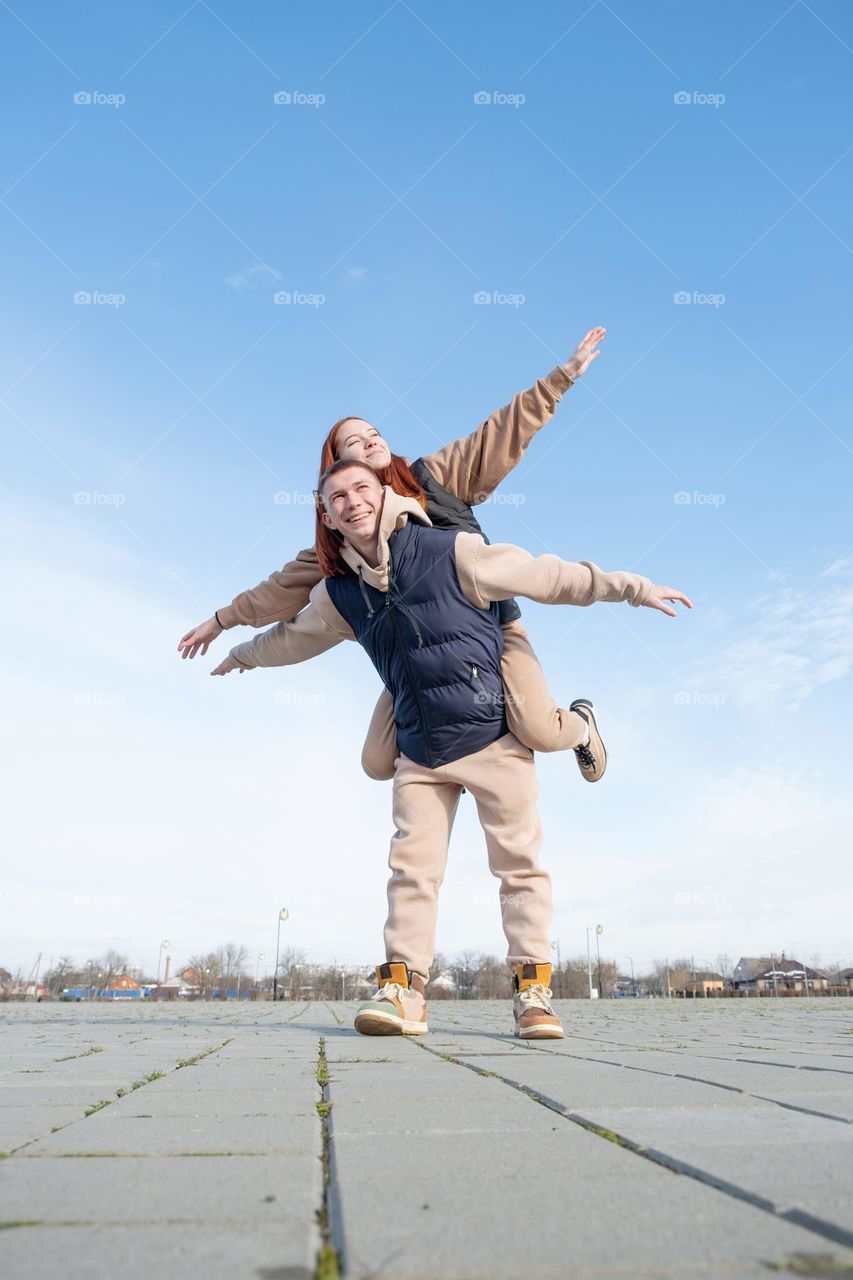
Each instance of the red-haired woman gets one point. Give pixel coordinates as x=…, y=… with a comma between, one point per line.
x=448, y=484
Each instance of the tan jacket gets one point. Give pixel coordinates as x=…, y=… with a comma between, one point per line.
x=487, y=572
x=470, y=468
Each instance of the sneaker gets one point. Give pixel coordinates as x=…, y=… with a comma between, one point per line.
x=531, y=1005
x=591, y=756
x=396, y=1009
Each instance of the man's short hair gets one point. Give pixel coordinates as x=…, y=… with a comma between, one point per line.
x=342, y=465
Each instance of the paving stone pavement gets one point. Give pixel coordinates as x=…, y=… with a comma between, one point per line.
x=673, y=1139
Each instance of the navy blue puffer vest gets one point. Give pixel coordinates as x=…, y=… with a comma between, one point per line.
x=438, y=655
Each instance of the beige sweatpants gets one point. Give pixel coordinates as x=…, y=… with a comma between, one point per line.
x=532, y=714
x=502, y=780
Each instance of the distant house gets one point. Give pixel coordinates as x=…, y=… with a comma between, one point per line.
x=845, y=979
x=774, y=975
x=699, y=985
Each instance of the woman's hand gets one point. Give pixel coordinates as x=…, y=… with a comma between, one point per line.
x=226, y=665
x=658, y=594
x=199, y=638
x=580, y=361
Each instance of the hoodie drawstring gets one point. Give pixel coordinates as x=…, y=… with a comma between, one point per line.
x=364, y=593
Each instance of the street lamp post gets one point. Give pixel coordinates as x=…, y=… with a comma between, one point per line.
x=555, y=946
x=282, y=915
x=633, y=983
x=164, y=946
x=257, y=969
x=599, y=930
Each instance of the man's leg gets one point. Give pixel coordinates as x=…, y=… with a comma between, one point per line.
x=502, y=780
x=425, y=804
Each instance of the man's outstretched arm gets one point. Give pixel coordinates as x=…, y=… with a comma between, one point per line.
x=317, y=628
x=496, y=571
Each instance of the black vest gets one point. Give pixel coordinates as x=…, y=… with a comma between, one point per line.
x=438, y=655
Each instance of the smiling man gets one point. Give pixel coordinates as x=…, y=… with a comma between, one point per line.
x=423, y=603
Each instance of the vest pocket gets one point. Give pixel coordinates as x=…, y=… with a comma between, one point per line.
x=483, y=695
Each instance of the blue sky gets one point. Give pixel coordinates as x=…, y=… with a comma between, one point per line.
x=147, y=431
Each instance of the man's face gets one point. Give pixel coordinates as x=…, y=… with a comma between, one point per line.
x=353, y=504
x=358, y=441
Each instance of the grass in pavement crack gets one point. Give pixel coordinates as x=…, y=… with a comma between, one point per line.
x=328, y=1266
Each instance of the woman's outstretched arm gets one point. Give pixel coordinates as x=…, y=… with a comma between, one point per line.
x=277, y=599
x=474, y=466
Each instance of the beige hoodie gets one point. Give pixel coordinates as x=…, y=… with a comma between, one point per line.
x=470, y=468
x=487, y=572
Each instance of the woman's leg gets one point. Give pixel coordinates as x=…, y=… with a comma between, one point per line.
x=531, y=713
x=380, y=746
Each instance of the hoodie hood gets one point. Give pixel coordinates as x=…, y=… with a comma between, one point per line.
x=396, y=511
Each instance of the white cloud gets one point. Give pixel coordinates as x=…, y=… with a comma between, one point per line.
x=253, y=276
x=795, y=645
x=354, y=276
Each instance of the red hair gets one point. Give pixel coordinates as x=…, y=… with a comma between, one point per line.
x=398, y=475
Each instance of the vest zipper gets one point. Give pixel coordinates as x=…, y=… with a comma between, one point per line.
x=404, y=653
x=484, y=693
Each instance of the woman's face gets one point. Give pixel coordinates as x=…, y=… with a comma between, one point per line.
x=358, y=441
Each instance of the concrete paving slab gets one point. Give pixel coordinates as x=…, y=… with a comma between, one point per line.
x=493, y=1165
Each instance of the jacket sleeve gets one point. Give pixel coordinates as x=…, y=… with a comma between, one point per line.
x=317, y=628
x=279, y=598
x=473, y=467
x=496, y=571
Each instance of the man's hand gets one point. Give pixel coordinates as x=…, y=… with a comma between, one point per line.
x=658, y=594
x=226, y=665
x=199, y=638
x=580, y=361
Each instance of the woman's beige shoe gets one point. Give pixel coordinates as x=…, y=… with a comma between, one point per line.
x=592, y=756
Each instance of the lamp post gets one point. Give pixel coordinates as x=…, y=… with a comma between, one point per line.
x=599, y=930
x=282, y=915
x=257, y=967
x=633, y=983
x=164, y=946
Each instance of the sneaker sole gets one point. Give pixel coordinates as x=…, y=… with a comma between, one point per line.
x=380, y=1024
x=540, y=1033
